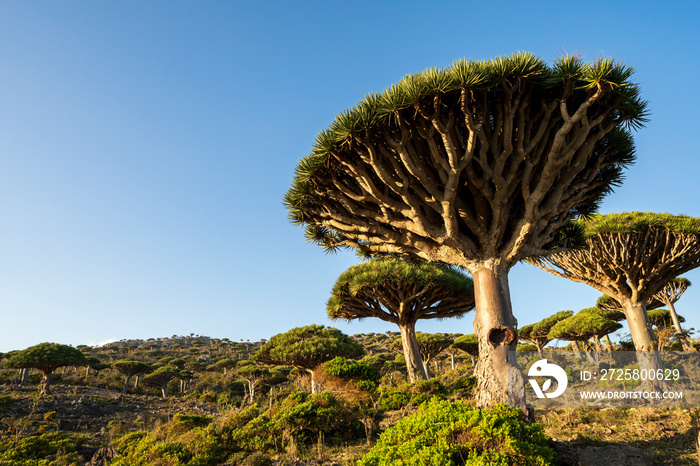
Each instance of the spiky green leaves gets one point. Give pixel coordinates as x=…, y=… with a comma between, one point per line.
x=376, y=109
x=478, y=160
x=307, y=347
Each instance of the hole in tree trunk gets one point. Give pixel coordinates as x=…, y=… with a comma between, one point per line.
x=501, y=336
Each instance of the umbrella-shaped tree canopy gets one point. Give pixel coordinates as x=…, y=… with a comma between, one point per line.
x=479, y=165
x=402, y=292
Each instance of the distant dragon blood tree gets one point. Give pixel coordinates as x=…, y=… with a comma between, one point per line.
x=615, y=316
x=401, y=292
x=306, y=348
x=429, y=344
x=668, y=295
x=131, y=368
x=538, y=333
x=630, y=256
x=47, y=357
x=479, y=165
x=469, y=344
x=583, y=326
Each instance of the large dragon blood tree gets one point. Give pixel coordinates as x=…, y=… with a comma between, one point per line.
x=401, y=292
x=630, y=257
x=479, y=165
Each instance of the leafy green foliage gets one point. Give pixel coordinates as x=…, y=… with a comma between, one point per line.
x=307, y=347
x=33, y=450
x=444, y=433
x=474, y=75
x=379, y=111
x=362, y=375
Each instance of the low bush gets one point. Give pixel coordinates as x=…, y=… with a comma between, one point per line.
x=443, y=433
x=52, y=449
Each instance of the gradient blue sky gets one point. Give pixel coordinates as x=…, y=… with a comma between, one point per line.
x=145, y=148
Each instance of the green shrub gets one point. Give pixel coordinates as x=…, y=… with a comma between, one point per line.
x=442, y=433
x=349, y=369
x=304, y=417
x=185, y=422
x=392, y=400
x=32, y=450
x=426, y=389
x=464, y=384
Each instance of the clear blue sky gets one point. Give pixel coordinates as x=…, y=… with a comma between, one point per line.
x=145, y=148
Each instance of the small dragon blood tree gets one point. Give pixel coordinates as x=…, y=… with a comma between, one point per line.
x=401, y=292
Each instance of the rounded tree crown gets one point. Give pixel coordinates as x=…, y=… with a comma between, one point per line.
x=612, y=314
x=307, y=347
x=583, y=326
x=541, y=329
x=46, y=357
x=388, y=281
x=467, y=343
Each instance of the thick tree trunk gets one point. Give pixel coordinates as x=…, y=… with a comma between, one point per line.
x=642, y=334
x=643, y=338
x=499, y=379
x=411, y=353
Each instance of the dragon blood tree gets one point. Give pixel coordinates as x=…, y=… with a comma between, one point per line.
x=583, y=326
x=479, y=165
x=46, y=357
x=630, y=256
x=306, y=348
x=401, y=292
x=469, y=344
x=668, y=295
x=538, y=333
x=615, y=316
